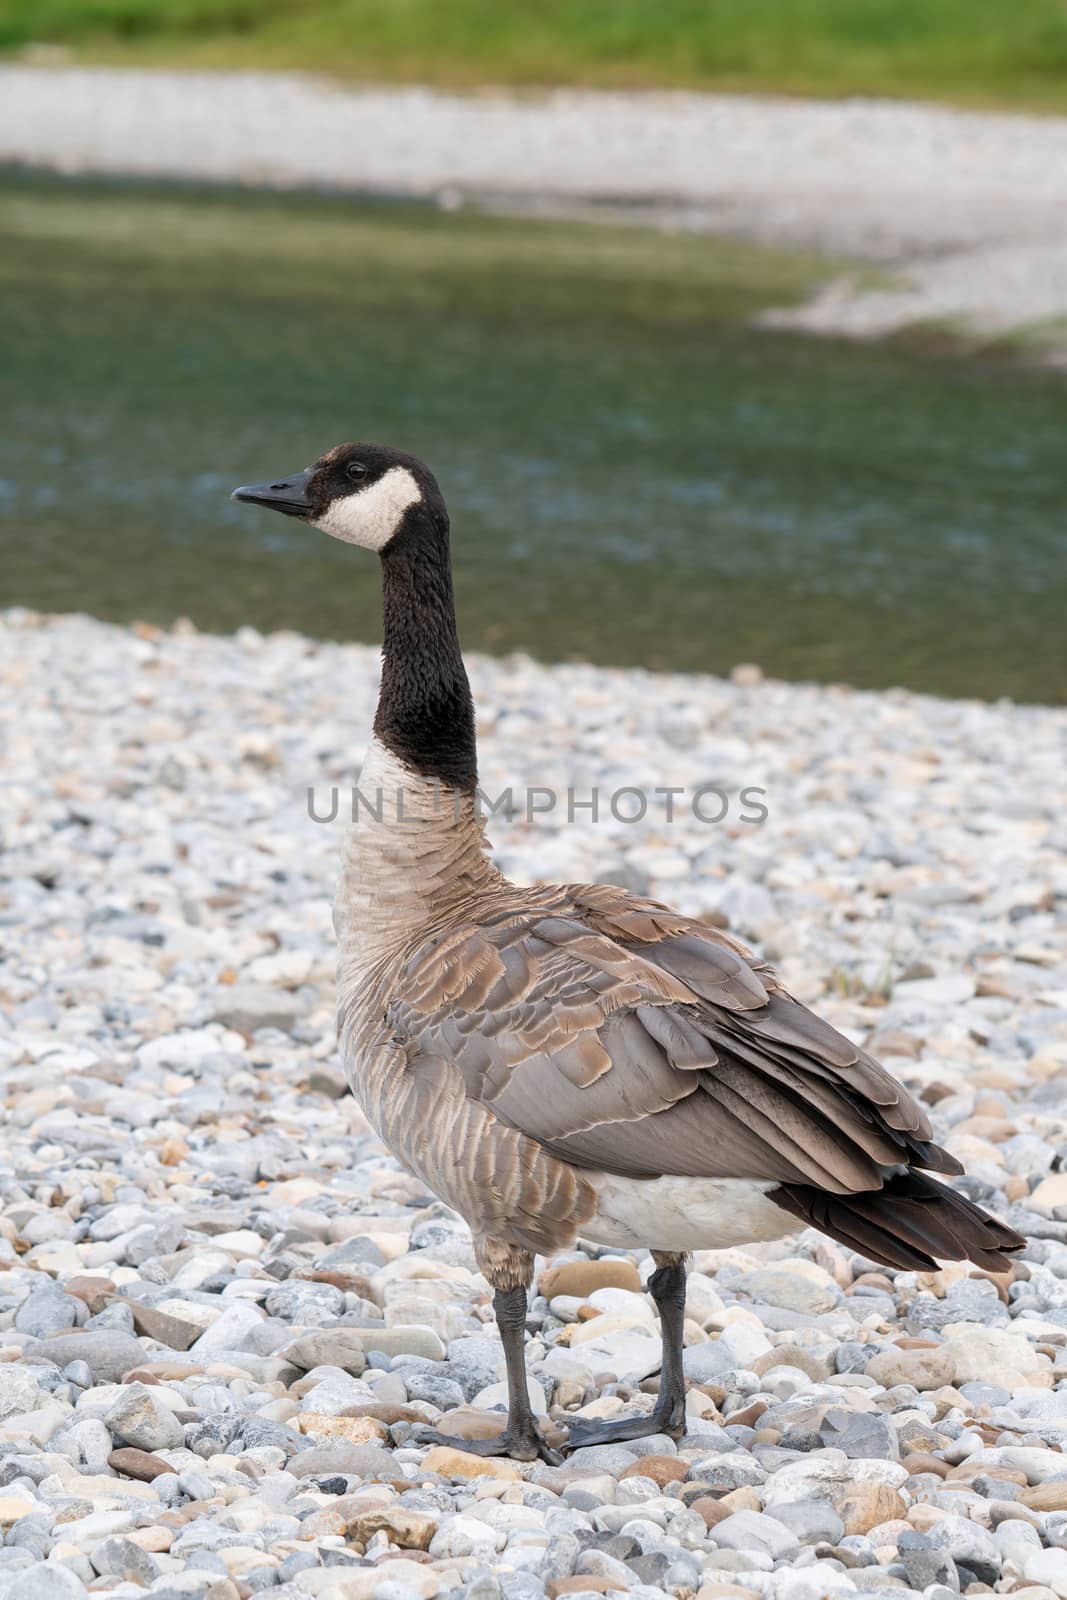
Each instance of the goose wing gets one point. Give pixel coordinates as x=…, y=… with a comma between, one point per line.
x=625, y=1038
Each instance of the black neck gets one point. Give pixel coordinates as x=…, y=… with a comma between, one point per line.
x=425, y=712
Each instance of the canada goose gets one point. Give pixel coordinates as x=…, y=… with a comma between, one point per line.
x=577, y=1060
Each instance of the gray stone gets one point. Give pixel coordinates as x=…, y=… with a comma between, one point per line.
x=346, y=1460
x=968, y=1545
x=254, y=1432
x=789, y=1291
x=109, y=1355
x=753, y=1530
x=444, y=1393
x=600, y=1565
x=91, y=1440
x=709, y=1362
x=327, y=1081
x=985, y=1394
x=968, y=1300
x=357, y=1252
x=42, y=1581
x=404, y=1339
x=121, y=1558
x=251, y=1006
x=118, y=1316
x=334, y=1393
x=19, y=1389
x=153, y=1239
x=613, y=1458
x=46, y=1310
x=137, y=1418
x=302, y=1301
x=860, y=1434
x=212, y=1434
x=326, y=1347
x=811, y=1521
x=228, y=1331
x=924, y=1565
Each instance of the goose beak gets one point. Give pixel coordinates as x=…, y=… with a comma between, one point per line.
x=288, y=495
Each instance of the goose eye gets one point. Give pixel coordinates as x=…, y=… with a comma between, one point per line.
x=356, y=471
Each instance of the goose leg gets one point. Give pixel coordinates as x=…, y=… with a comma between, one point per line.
x=667, y=1288
x=522, y=1437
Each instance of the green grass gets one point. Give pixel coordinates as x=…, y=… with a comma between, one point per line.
x=977, y=51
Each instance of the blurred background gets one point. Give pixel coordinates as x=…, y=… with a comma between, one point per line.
x=734, y=333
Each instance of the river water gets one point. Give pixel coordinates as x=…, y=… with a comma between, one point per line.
x=636, y=475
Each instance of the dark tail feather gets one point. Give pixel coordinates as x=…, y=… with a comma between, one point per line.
x=912, y=1221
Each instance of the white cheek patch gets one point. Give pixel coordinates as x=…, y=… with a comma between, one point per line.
x=369, y=517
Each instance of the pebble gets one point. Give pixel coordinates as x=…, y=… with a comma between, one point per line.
x=226, y=1313
x=138, y=1419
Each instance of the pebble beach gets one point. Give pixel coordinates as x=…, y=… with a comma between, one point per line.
x=226, y=1312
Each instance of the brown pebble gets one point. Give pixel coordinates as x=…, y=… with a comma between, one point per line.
x=713, y=1511
x=155, y=1540
x=583, y=1278
x=975, y=1468
x=922, y=1461
x=468, y=1423
x=748, y=1415
x=412, y=1530
x=661, y=1469
x=876, y=1280
x=325, y=1524
x=164, y=1372
x=766, y=1436
x=743, y=1499
x=354, y=1430
x=1001, y=1281
x=139, y=1464
x=582, y=1582
x=93, y=1292
x=451, y=1463
x=338, y=1278
x=383, y=1411
x=1046, y=1496
x=865, y=1505
x=159, y=1325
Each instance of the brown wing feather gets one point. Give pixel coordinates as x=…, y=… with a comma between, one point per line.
x=624, y=1037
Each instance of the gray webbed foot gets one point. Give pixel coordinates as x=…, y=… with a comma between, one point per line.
x=527, y=1445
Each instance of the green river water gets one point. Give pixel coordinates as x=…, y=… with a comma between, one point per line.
x=636, y=475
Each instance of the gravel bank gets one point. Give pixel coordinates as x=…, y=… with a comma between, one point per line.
x=224, y=1310
x=969, y=207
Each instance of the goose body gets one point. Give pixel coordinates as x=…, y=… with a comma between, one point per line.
x=575, y=1060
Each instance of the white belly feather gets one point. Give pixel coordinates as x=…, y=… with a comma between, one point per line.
x=684, y=1213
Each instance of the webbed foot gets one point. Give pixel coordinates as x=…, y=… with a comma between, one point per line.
x=526, y=1445
x=583, y=1433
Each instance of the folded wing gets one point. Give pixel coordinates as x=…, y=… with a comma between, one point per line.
x=625, y=1038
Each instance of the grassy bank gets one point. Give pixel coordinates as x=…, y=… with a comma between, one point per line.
x=974, y=51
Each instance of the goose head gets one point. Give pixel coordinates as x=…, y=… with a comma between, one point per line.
x=362, y=494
